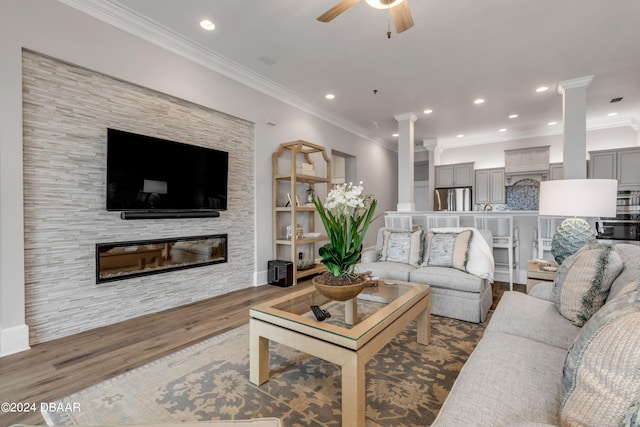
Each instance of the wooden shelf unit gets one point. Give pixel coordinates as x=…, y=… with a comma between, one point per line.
x=290, y=181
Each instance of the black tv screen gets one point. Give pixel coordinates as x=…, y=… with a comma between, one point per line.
x=152, y=174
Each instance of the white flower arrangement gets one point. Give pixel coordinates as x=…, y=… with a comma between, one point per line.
x=346, y=215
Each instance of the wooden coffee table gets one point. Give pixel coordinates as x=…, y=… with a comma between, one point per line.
x=349, y=344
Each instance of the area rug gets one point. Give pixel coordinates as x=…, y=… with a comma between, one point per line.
x=406, y=384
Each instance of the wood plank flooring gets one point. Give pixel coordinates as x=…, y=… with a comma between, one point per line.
x=55, y=369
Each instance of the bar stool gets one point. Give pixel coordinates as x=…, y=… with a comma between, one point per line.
x=547, y=226
x=505, y=237
x=435, y=221
x=398, y=222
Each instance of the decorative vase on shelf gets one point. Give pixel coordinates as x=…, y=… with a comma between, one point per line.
x=346, y=215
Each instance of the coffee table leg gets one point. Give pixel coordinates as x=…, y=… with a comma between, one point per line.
x=354, y=392
x=258, y=355
x=351, y=311
x=423, y=322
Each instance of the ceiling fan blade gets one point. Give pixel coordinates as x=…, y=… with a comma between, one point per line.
x=336, y=10
x=401, y=16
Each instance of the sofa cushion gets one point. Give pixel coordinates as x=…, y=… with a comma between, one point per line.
x=583, y=281
x=450, y=278
x=402, y=246
x=529, y=317
x=386, y=270
x=601, y=379
x=447, y=250
x=506, y=380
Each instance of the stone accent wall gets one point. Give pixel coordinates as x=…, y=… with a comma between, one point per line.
x=67, y=110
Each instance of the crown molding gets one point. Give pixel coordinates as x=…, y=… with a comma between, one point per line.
x=607, y=123
x=116, y=14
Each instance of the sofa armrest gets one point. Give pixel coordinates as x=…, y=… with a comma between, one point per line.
x=542, y=291
x=369, y=254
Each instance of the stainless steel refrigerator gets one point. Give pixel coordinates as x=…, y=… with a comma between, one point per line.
x=452, y=199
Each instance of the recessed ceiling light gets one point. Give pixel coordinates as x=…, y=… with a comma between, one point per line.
x=395, y=135
x=428, y=111
x=552, y=123
x=612, y=114
x=330, y=96
x=513, y=116
x=479, y=101
x=542, y=89
x=207, y=25
x=502, y=130
x=460, y=135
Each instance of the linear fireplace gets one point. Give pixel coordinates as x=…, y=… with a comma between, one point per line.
x=123, y=260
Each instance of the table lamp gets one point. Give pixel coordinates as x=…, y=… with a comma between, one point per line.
x=576, y=198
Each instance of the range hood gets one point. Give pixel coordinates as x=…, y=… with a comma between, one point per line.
x=523, y=163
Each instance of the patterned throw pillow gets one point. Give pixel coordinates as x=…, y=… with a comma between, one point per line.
x=447, y=250
x=601, y=377
x=402, y=246
x=583, y=282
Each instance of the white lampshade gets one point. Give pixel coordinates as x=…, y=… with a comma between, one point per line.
x=579, y=197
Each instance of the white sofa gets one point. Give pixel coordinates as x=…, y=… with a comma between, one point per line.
x=515, y=375
x=461, y=293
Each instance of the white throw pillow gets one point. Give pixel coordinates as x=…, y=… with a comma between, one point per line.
x=583, y=281
x=447, y=249
x=402, y=246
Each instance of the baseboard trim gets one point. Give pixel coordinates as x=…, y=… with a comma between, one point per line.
x=14, y=340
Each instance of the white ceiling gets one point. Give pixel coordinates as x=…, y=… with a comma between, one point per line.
x=458, y=50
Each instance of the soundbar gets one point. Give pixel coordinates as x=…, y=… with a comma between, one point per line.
x=168, y=214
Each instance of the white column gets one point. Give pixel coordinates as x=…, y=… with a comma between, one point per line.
x=405, y=162
x=430, y=144
x=574, y=111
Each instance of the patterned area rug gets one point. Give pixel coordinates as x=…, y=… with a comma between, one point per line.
x=406, y=383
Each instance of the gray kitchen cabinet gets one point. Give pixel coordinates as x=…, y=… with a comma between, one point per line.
x=489, y=186
x=621, y=164
x=556, y=171
x=629, y=169
x=603, y=164
x=454, y=175
x=526, y=160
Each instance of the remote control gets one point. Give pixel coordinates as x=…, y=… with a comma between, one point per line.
x=320, y=313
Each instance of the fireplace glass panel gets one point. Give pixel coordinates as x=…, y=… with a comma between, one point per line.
x=123, y=260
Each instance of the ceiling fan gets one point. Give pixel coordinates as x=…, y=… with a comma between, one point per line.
x=398, y=9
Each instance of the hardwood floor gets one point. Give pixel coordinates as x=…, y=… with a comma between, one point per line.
x=55, y=369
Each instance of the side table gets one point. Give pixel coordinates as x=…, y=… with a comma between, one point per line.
x=540, y=271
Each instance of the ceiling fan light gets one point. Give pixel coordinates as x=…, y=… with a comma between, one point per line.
x=383, y=4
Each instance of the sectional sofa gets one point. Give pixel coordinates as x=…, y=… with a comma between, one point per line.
x=566, y=354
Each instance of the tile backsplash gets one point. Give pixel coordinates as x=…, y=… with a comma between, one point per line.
x=523, y=195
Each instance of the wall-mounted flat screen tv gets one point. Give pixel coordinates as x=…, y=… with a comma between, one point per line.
x=152, y=174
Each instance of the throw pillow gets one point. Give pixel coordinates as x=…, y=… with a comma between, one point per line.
x=447, y=249
x=583, y=282
x=601, y=376
x=402, y=246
